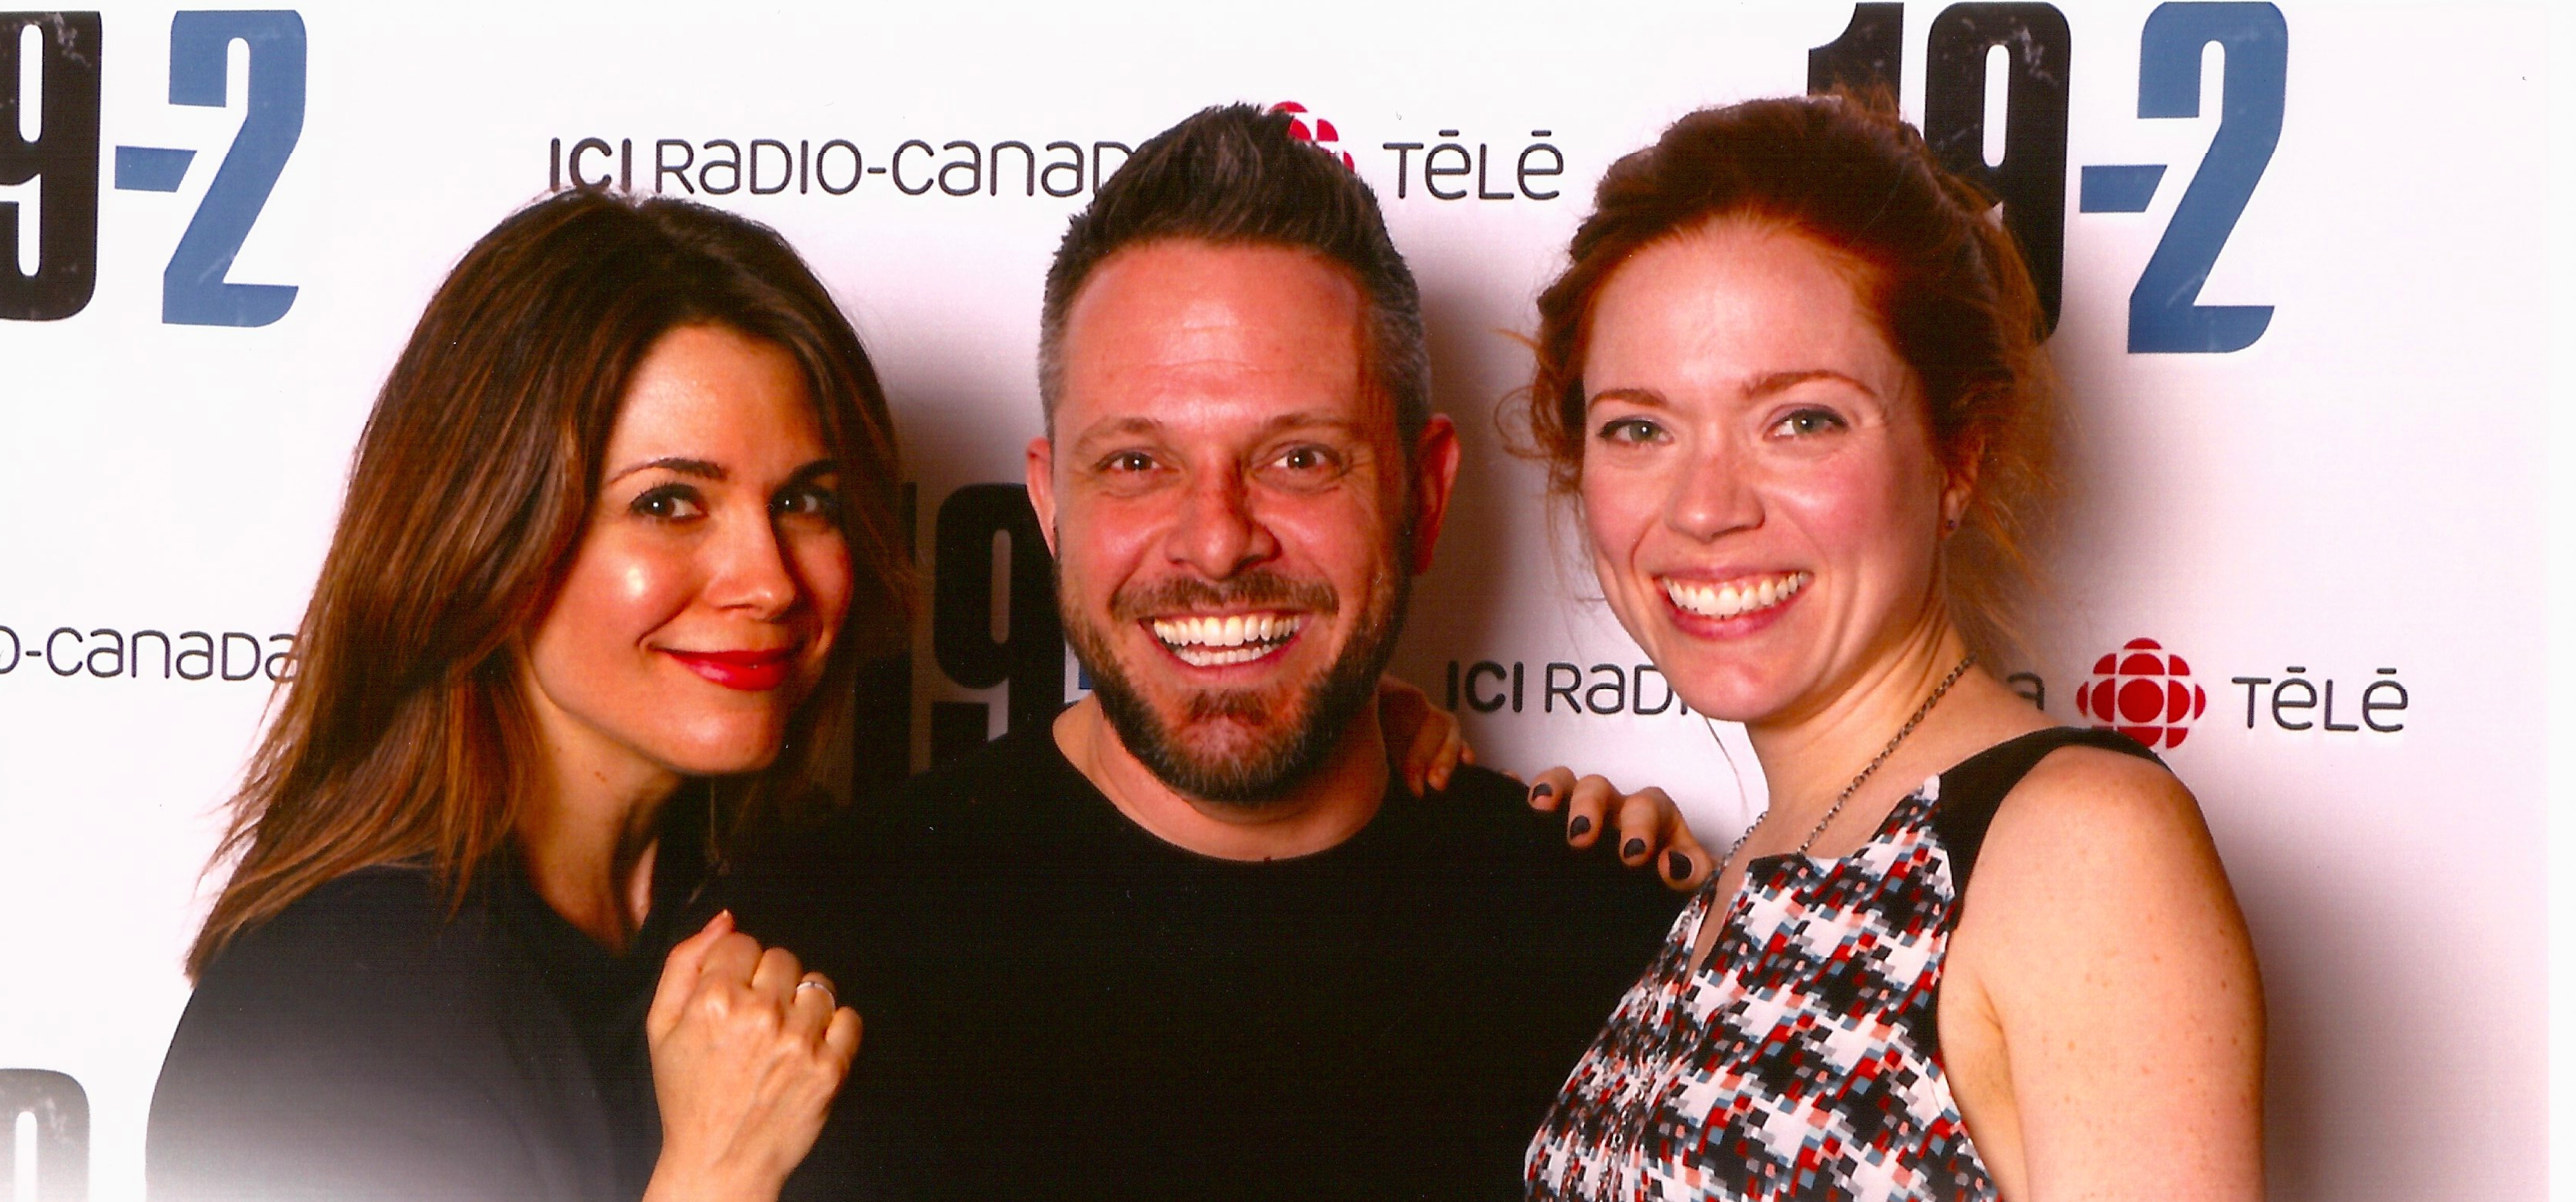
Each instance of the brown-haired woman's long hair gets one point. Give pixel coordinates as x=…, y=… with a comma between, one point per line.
x=1947, y=283
x=402, y=735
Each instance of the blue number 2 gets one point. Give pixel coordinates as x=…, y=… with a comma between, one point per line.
x=2164, y=310
x=193, y=289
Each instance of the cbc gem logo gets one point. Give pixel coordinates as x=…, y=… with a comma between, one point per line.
x=2144, y=692
x=1318, y=131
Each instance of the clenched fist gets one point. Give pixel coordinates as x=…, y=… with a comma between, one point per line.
x=748, y=1049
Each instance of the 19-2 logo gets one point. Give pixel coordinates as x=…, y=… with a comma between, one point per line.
x=49, y=138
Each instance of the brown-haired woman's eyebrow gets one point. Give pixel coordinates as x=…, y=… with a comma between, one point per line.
x=820, y=467
x=700, y=468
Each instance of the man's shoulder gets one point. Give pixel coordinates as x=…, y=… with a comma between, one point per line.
x=1485, y=828
x=886, y=855
x=1019, y=778
x=1486, y=809
x=1006, y=793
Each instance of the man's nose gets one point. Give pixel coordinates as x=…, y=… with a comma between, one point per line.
x=1216, y=532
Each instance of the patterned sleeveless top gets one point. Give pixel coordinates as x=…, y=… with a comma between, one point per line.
x=1804, y=1059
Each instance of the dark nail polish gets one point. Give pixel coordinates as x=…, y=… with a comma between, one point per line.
x=1578, y=828
x=1541, y=789
x=1632, y=849
x=1677, y=865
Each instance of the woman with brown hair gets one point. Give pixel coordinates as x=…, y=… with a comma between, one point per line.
x=615, y=530
x=1791, y=380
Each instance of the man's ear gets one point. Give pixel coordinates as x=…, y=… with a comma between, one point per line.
x=1435, y=473
x=1041, y=481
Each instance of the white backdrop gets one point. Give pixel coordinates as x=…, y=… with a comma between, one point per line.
x=2346, y=500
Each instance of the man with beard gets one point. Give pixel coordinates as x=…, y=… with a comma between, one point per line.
x=1191, y=940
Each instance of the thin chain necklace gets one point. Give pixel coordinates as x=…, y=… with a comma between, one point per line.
x=1837, y=808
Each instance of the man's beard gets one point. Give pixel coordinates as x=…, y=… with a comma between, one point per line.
x=1276, y=760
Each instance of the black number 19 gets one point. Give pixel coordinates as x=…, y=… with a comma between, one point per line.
x=63, y=156
x=2030, y=181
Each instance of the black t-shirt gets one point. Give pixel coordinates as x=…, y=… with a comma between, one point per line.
x=368, y=1044
x=1060, y=1004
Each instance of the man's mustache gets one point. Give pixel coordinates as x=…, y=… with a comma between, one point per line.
x=1251, y=590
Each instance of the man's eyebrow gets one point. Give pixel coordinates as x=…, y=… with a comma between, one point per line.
x=1127, y=426
x=700, y=468
x=1124, y=425
x=1302, y=417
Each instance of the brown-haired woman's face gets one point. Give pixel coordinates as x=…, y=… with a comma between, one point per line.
x=701, y=606
x=1763, y=504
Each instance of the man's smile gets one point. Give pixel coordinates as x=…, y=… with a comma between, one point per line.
x=1223, y=640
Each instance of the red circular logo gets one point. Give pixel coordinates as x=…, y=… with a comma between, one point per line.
x=2144, y=692
x=1318, y=131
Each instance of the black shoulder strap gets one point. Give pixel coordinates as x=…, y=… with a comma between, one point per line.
x=1974, y=787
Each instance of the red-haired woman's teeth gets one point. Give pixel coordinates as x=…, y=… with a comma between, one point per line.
x=1735, y=597
x=1208, y=642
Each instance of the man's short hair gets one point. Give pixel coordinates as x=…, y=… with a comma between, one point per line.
x=1233, y=174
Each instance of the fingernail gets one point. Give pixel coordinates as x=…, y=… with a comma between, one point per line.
x=1541, y=789
x=1581, y=826
x=1677, y=865
x=1632, y=849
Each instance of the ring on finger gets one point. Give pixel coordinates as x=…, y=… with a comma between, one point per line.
x=812, y=983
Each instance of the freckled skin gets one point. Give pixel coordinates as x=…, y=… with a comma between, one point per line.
x=1693, y=468
x=2100, y=1011
x=676, y=562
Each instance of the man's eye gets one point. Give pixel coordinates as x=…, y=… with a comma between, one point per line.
x=1808, y=421
x=669, y=503
x=1307, y=459
x=1631, y=431
x=1128, y=461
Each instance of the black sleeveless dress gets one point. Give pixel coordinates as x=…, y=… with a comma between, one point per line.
x=1804, y=1059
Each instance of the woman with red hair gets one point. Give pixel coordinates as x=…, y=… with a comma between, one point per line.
x=1791, y=380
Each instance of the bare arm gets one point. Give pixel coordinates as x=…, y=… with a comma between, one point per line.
x=2102, y=1012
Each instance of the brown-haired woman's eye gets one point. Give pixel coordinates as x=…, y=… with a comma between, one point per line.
x=669, y=503
x=808, y=500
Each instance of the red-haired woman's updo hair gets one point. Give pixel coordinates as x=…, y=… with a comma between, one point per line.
x=1949, y=288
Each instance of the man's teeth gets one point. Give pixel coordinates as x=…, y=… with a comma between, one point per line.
x=1735, y=596
x=1234, y=639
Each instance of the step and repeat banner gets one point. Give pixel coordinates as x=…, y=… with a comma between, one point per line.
x=2294, y=254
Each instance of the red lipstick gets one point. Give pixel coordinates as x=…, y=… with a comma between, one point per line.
x=749, y=671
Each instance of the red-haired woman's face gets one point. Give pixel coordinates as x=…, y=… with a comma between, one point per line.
x=1759, y=486
x=703, y=601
